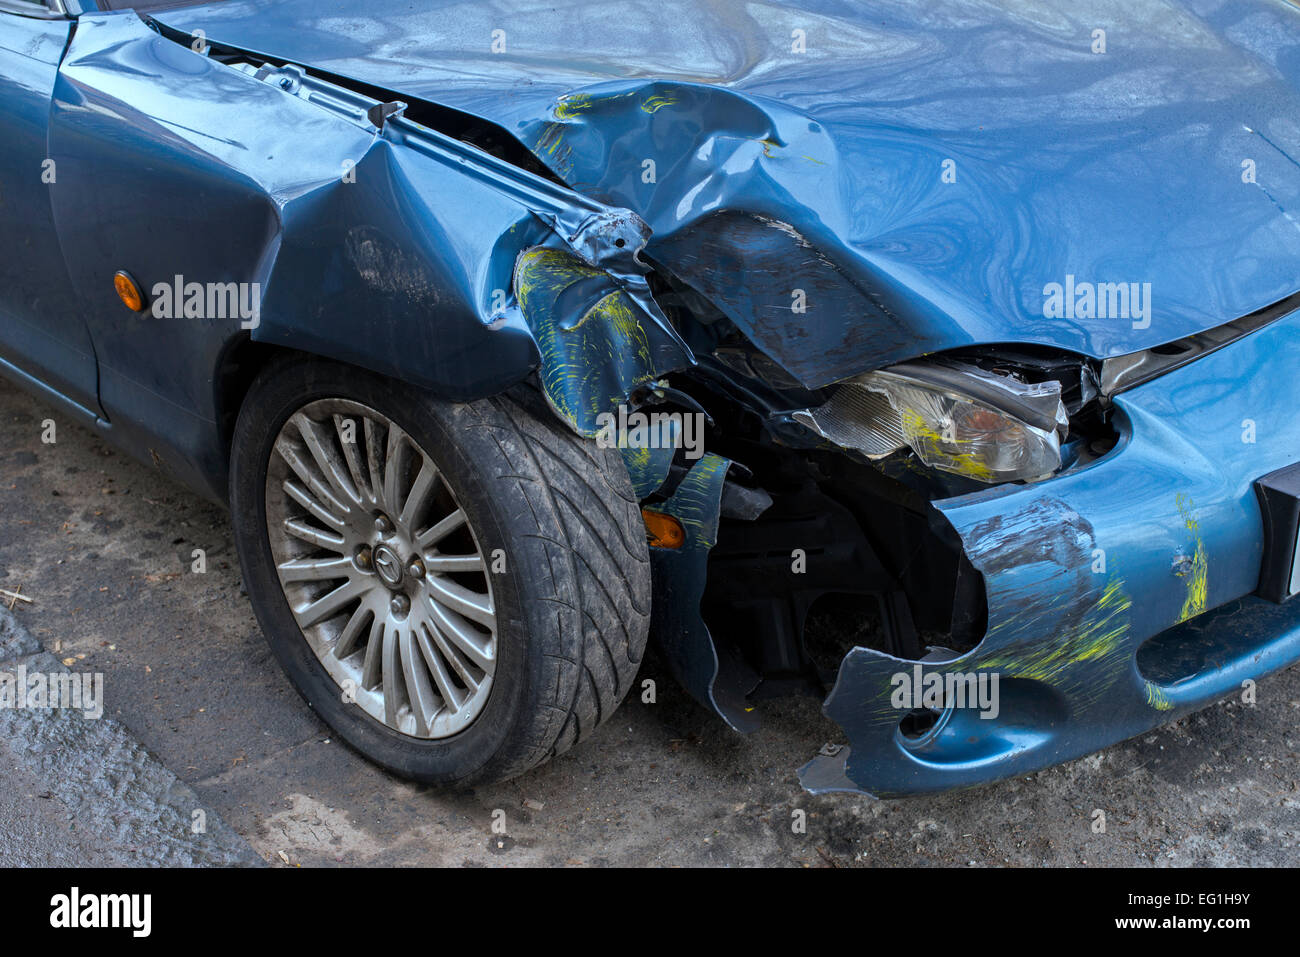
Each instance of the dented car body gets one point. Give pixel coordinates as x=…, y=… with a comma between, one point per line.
x=994, y=332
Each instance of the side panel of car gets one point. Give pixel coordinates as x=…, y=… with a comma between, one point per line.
x=203, y=182
x=256, y=203
x=41, y=329
x=137, y=195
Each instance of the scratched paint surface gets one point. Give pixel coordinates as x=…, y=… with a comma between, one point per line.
x=595, y=351
x=1197, y=568
x=1081, y=572
x=648, y=463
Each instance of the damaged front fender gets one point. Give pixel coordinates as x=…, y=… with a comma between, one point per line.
x=367, y=236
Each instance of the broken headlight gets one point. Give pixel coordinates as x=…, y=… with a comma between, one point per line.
x=956, y=417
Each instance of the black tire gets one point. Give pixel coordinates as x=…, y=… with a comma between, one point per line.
x=573, y=603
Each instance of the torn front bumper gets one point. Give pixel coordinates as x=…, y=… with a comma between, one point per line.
x=1120, y=595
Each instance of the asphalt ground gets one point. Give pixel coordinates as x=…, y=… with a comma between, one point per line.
x=80, y=789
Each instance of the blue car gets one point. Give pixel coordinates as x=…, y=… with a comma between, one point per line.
x=939, y=360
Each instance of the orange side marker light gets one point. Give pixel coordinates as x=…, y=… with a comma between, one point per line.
x=128, y=290
x=663, y=531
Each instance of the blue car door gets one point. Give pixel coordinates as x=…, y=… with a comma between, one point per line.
x=42, y=332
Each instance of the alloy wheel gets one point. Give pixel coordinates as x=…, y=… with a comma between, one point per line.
x=381, y=569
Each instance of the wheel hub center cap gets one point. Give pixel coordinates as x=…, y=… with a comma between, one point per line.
x=388, y=566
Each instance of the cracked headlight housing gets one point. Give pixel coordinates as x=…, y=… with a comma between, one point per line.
x=956, y=417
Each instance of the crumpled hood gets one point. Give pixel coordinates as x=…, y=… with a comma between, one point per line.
x=860, y=182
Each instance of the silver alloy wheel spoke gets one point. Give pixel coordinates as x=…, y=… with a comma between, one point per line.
x=453, y=563
x=454, y=658
x=461, y=600
x=437, y=667
x=310, y=477
x=329, y=604
x=418, y=497
x=347, y=640
x=303, y=498
x=328, y=460
x=460, y=633
x=313, y=569
x=381, y=568
x=347, y=438
x=395, y=459
x=436, y=533
x=372, y=674
x=313, y=536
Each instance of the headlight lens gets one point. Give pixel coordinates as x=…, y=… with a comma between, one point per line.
x=956, y=417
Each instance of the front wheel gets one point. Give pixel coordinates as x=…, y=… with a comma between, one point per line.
x=460, y=590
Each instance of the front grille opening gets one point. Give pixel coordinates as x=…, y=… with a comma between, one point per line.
x=837, y=623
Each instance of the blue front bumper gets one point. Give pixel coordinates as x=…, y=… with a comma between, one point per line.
x=1119, y=595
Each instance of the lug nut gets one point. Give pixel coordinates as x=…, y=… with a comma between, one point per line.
x=363, y=558
x=400, y=605
x=383, y=526
x=416, y=569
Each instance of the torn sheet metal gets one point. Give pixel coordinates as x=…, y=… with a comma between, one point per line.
x=716, y=681
x=1085, y=575
x=596, y=341
x=850, y=183
x=648, y=462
